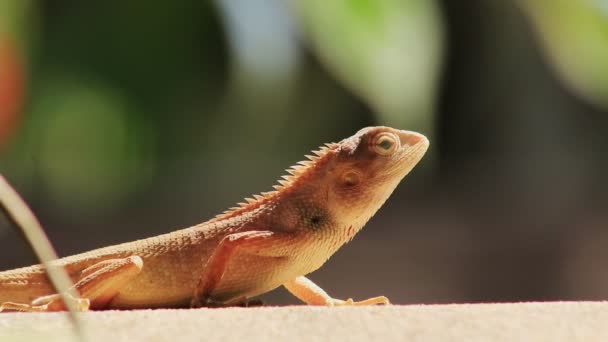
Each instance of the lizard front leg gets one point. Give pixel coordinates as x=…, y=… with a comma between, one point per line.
x=97, y=285
x=310, y=293
x=255, y=242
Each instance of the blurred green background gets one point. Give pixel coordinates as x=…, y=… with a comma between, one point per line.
x=121, y=120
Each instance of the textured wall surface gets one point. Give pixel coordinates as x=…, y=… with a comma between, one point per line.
x=551, y=321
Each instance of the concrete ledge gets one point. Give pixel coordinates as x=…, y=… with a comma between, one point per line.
x=557, y=321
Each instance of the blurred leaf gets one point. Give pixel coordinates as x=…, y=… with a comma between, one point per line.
x=86, y=143
x=575, y=36
x=13, y=16
x=387, y=52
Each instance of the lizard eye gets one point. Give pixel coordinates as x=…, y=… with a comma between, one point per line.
x=385, y=144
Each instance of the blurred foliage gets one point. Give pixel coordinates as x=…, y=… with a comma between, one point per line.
x=575, y=37
x=91, y=145
x=387, y=52
x=16, y=19
x=120, y=99
x=119, y=120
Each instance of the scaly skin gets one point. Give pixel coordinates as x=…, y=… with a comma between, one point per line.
x=273, y=239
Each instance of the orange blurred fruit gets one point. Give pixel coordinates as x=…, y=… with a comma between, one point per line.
x=11, y=88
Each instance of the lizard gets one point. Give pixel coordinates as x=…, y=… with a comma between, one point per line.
x=272, y=239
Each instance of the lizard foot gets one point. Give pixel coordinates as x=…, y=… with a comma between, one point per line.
x=46, y=304
x=350, y=302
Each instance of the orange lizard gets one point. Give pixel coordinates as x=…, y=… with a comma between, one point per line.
x=272, y=239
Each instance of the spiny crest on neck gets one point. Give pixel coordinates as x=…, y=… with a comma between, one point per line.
x=296, y=174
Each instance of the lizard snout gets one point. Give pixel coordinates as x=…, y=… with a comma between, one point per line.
x=411, y=138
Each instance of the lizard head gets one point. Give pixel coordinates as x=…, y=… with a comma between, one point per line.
x=342, y=185
x=365, y=170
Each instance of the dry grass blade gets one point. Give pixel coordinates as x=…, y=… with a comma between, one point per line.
x=22, y=217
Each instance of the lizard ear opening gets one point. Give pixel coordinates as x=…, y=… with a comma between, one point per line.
x=350, y=178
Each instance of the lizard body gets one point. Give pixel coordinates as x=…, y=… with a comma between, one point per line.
x=272, y=239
